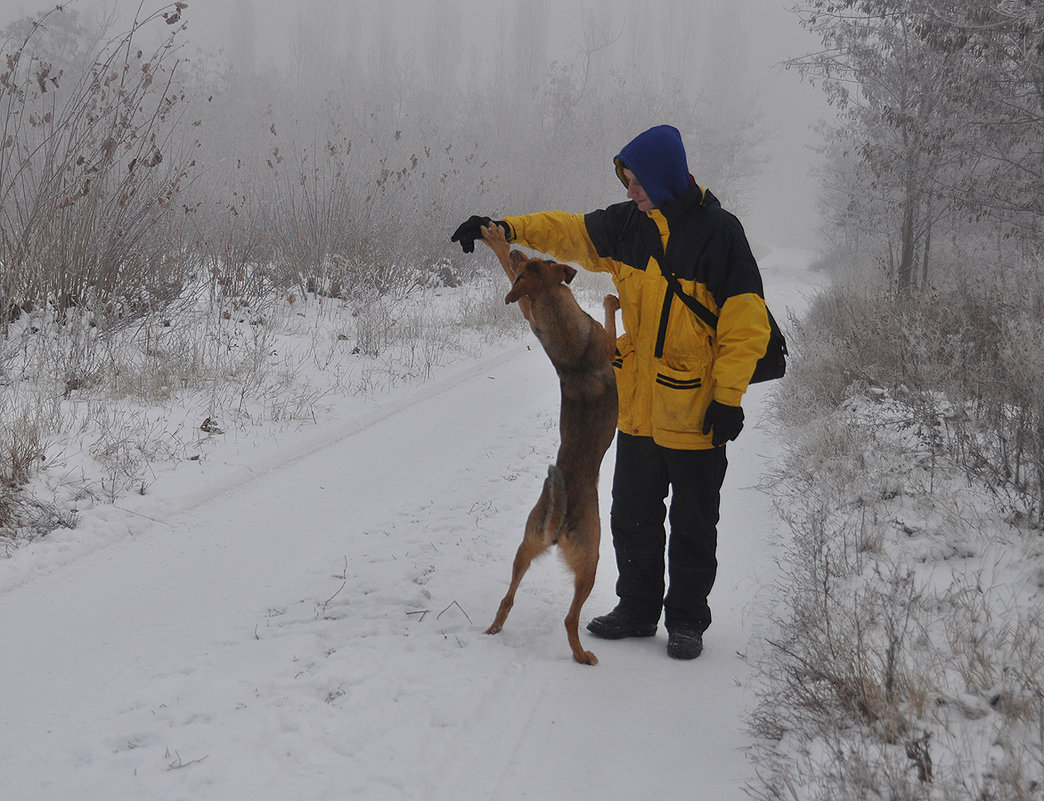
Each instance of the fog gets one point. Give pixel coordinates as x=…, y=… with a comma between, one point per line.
x=695, y=42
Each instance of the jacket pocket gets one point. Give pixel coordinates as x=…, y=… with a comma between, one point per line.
x=680, y=398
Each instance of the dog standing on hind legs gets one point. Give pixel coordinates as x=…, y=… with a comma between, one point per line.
x=581, y=351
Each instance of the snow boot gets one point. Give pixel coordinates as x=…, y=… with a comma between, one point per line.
x=620, y=623
x=684, y=642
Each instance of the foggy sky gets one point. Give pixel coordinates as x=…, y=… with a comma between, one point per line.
x=781, y=210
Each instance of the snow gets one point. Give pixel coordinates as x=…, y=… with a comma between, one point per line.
x=301, y=615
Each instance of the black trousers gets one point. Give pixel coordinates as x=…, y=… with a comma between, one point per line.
x=644, y=473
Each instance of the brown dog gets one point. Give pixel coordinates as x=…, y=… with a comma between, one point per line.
x=581, y=351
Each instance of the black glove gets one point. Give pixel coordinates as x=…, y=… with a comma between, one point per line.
x=468, y=232
x=727, y=422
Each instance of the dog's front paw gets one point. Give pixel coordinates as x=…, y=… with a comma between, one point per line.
x=493, y=234
x=494, y=629
x=611, y=303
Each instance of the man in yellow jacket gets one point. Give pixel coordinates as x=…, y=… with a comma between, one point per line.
x=680, y=379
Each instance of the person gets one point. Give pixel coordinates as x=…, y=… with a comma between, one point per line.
x=680, y=381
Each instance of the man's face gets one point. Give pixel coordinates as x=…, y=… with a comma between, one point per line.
x=635, y=191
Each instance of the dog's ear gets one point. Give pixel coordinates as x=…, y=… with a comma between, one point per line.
x=519, y=288
x=568, y=273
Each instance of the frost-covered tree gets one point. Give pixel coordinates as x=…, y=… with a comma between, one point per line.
x=942, y=101
x=882, y=75
x=994, y=97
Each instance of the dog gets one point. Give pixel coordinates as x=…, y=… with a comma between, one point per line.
x=581, y=351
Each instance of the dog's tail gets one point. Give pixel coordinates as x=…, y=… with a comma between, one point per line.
x=557, y=504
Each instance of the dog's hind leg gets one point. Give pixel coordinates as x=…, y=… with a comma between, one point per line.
x=542, y=526
x=580, y=549
x=532, y=546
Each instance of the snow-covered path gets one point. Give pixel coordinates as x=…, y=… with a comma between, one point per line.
x=312, y=628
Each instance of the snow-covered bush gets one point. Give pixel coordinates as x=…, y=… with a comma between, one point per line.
x=965, y=358
x=907, y=657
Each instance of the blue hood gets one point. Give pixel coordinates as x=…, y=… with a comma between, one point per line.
x=657, y=159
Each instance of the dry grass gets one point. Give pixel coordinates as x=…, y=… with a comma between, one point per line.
x=89, y=412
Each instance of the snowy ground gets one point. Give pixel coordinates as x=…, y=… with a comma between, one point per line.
x=302, y=617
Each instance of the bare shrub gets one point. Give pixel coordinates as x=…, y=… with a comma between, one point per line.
x=129, y=441
x=22, y=441
x=91, y=172
x=28, y=421
x=851, y=614
x=482, y=308
x=308, y=209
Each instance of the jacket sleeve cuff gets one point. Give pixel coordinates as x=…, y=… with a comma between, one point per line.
x=512, y=224
x=728, y=396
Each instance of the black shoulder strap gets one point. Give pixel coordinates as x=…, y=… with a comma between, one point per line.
x=652, y=239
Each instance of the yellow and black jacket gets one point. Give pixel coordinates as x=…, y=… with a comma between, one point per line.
x=670, y=364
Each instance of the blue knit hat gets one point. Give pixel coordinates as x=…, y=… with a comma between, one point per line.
x=657, y=159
